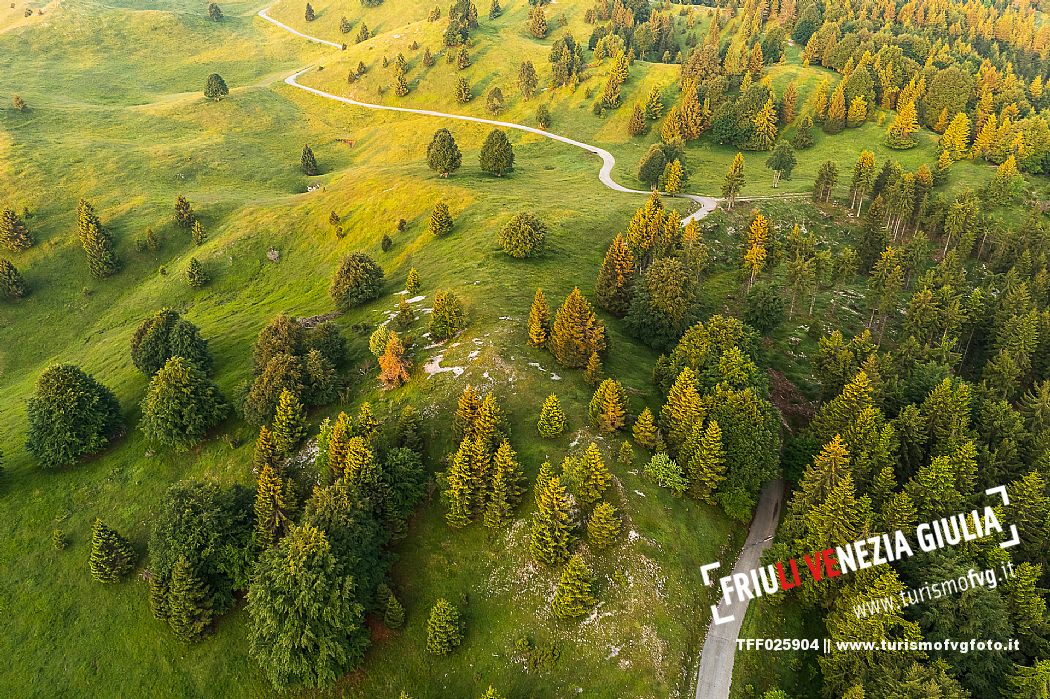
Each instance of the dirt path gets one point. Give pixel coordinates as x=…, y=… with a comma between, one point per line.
x=705, y=204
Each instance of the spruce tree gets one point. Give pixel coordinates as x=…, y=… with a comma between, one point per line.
x=181, y=405
x=447, y=318
x=645, y=431
x=625, y=455
x=497, y=155
x=539, y=320
x=96, y=241
x=289, y=423
x=13, y=232
x=544, y=475
x=463, y=93
x=412, y=284
x=551, y=525
x=70, y=415
x=552, y=420
x=683, y=409
x=836, y=118
x=305, y=626
x=393, y=613
x=357, y=281
x=615, y=283
x=111, y=554
x=706, y=466
x=591, y=475
x=308, y=163
x=444, y=629
x=440, y=223
x=594, y=372
x=900, y=134
x=265, y=453
x=310, y=16
x=12, y=284
x=443, y=156
x=528, y=81
x=198, y=234
x=189, y=609
x=271, y=512
x=184, y=215
x=803, y=136
x=734, y=181
x=499, y=507
x=573, y=597
x=603, y=528
x=608, y=407
x=196, y=277
x=215, y=87
x=393, y=365
x=158, y=598
x=576, y=332
x=637, y=125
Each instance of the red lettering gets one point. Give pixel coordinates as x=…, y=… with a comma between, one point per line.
x=784, y=585
x=831, y=563
x=813, y=563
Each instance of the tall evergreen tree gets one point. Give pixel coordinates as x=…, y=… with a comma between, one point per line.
x=616, y=278
x=706, y=465
x=576, y=332
x=12, y=284
x=444, y=628
x=590, y=475
x=189, y=610
x=539, y=320
x=13, y=232
x=71, y=415
x=683, y=409
x=551, y=525
x=497, y=155
x=181, y=405
x=440, y=223
x=603, y=527
x=734, y=181
x=305, y=626
x=645, y=431
x=271, y=511
x=552, y=420
x=574, y=597
x=111, y=554
x=608, y=407
x=443, y=156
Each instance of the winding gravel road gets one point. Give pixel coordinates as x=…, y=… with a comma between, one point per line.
x=705, y=204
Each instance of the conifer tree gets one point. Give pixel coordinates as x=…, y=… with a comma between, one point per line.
x=13, y=232
x=400, y=84
x=608, y=407
x=603, y=528
x=637, y=125
x=393, y=365
x=12, y=284
x=305, y=626
x=765, y=126
x=683, y=409
x=625, y=455
x=463, y=492
x=96, y=241
x=757, y=240
x=412, y=284
x=289, y=423
x=181, y=405
x=499, y=507
x=956, y=138
x=394, y=613
x=836, y=117
x=184, y=215
x=539, y=320
x=537, y=22
x=616, y=278
x=594, y=373
x=189, y=604
x=591, y=475
x=447, y=318
x=803, y=136
x=271, y=512
x=789, y=103
x=463, y=92
x=528, y=81
x=443, y=156
x=573, y=597
x=198, y=234
x=645, y=432
x=551, y=525
x=440, y=223
x=308, y=163
x=824, y=184
x=706, y=466
x=552, y=420
x=863, y=179
x=671, y=180
x=111, y=554
x=900, y=134
x=576, y=332
x=215, y=87
x=497, y=155
x=310, y=16
x=544, y=475
x=444, y=629
x=734, y=181
x=70, y=416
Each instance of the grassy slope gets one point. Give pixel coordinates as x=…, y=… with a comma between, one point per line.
x=132, y=136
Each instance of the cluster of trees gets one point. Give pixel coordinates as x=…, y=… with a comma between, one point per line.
x=295, y=356
x=495, y=158
x=575, y=337
x=311, y=566
x=650, y=274
x=15, y=237
x=649, y=34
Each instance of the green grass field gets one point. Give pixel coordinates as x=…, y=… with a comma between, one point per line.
x=117, y=116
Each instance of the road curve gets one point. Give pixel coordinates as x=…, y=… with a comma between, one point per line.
x=705, y=204
x=715, y=675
